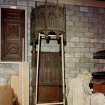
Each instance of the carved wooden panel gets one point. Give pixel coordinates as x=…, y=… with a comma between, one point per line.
x=48, y=19
x=12, y=34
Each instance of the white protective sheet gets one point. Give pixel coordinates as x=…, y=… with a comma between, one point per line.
x=79, y=91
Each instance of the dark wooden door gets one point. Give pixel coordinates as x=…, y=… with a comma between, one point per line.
x=12, y=34
x=50, y=77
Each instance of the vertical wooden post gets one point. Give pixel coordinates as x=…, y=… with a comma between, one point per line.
x=37, y=68
x=63, y=73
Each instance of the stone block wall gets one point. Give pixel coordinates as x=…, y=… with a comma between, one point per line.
x=85, y=34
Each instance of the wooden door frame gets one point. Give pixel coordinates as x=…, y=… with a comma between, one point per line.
x=27, y=32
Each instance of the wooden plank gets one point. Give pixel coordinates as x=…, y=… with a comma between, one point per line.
x=25, y=83
x=15, y=84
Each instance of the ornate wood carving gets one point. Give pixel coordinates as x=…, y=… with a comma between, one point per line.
x=12, y=33
x=48, y=19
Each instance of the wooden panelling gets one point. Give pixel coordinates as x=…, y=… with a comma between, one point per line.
x=12, y=34
x=50, y=72
x=50, y=77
